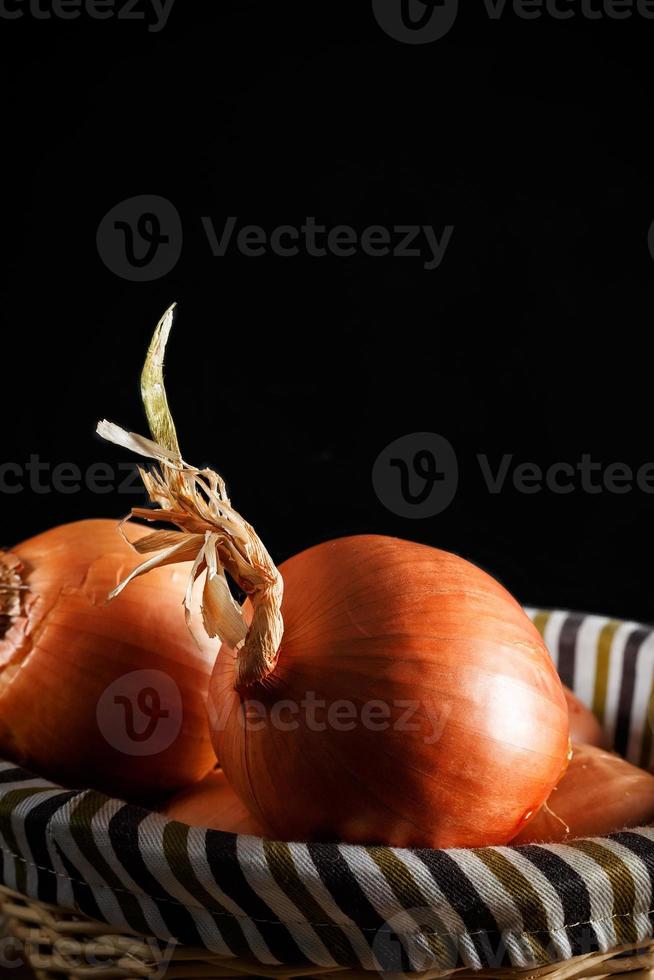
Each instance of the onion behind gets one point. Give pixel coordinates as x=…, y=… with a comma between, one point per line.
x=66, y=657
x=213, y=803
x=599, y=794
x=585, y=729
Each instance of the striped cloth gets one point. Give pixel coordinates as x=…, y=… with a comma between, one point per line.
x=370, y=908
x=609, y=664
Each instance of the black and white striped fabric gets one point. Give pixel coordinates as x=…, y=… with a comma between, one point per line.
x=370, y=908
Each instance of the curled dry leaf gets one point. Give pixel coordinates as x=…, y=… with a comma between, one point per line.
x=212, y=534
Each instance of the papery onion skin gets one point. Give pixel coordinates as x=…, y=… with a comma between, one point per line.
x=599, y=794
x=585, y=729
x=376, y=619
x=68, y=646
x=213, y=803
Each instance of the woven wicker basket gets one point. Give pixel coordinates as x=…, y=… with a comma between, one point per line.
x=56, y=942
x=95, y=888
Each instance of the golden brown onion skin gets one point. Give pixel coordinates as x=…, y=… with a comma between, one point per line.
x=213, y=803
x=585, y=729
x=58, y=660
x=599, y=794
x=475, y=733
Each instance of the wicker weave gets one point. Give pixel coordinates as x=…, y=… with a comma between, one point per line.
x=57, y=943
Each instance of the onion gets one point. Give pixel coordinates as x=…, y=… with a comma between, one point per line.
x=442, y=722
x=398, y=694
x=585, y=729
x=84, y=687
x=213, y=803
x=599, y=794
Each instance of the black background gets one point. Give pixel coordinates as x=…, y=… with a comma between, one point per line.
x=291, y=375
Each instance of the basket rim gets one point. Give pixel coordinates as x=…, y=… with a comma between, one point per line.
x=524, y=905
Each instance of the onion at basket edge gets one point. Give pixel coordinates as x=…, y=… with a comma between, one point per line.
x=212, y=803
x=62, y=647
x=600, y=793
x=357, y=620
x=585, y=729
